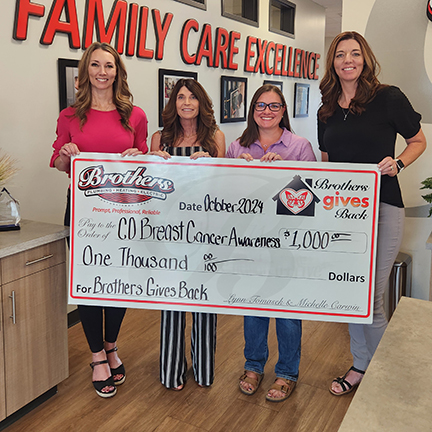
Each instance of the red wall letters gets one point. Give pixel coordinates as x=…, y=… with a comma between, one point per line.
x=129, y=23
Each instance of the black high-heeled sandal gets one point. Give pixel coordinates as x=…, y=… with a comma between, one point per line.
x=120, y=370
x=345, y=385
x=100, y=385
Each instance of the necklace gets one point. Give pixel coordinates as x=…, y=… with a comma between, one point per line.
x=345, y=113
x=109, y=107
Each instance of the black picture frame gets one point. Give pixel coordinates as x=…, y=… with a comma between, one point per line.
x=167, y=81
x=67, y=74
x=233, y=99
x=301, y=100
x=278, y=84
x=200, y=4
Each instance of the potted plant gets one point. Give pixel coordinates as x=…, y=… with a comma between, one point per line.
x=427, y=184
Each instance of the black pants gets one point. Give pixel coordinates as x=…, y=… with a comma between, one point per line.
x=92, y=317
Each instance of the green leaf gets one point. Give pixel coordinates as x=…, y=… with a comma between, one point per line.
x=427, y=184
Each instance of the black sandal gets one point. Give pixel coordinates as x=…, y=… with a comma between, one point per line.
x=120, y=370
x=100, y=385
x=345, y=385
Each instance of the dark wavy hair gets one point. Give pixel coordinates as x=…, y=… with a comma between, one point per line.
x=172, y=132
x=251, y=133
x=122, y=97
x=367, y=83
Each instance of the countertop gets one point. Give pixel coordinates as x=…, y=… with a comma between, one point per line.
x=32, y=234
x=395, y=393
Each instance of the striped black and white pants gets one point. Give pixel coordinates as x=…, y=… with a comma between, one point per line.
x=173, y=365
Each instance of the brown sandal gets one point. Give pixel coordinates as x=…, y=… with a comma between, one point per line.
x=255, y=383
x=286, y=389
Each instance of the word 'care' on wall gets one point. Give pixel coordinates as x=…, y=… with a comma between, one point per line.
x=130, y=22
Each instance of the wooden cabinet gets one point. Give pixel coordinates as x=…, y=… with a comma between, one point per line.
x=33, y=345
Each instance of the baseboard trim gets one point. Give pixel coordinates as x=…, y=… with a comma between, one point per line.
x=27, y=408
x=73, y=318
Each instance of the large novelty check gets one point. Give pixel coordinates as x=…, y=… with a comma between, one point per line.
x=281, y=239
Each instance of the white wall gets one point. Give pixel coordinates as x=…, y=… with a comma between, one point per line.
x=401, y=37
x=29, y=102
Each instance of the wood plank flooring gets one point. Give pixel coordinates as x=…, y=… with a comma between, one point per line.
x=143, y=404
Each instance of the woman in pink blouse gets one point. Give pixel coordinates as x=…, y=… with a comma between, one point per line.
x=103, y=119
x=268, y=137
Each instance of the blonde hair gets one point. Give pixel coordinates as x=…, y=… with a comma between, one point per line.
x=122, y=97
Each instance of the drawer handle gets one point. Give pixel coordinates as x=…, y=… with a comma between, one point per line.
x=13, y=316
x=39, y=260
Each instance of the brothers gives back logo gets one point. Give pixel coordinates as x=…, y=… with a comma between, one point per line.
x=296, y=198
x=134, y=186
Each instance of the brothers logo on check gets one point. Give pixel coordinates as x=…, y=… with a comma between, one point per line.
x=123, y=188
x=296, y=198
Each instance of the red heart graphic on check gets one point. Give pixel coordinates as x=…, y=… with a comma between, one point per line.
x=295, y=201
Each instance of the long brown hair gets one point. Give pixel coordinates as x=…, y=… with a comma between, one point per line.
x=172, y=132
x=122, y=97
x=367, y=83
x=251, y=133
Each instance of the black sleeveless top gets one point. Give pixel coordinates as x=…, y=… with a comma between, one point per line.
x=181, y=151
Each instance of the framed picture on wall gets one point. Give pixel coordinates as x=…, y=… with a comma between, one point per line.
x=68, y=81
x=201, y=4
x=233, y=99
x=167, y=80
x=275, y=83
x=301, y=100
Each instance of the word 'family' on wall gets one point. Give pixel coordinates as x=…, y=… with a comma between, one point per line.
x=130, y=22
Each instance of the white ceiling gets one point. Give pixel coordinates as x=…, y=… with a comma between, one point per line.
x=333, y=10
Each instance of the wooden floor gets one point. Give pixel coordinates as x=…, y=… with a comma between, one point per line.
x=143, y=404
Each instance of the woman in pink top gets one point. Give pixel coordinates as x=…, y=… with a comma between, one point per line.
x=268, y=137
x=103, y=119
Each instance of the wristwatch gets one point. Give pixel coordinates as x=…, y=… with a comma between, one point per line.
x=400, y=165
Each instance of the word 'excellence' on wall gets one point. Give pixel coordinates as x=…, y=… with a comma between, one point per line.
x=130, y=24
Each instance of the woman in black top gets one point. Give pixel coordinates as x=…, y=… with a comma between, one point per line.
x=358, y=122
x=189, y=130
